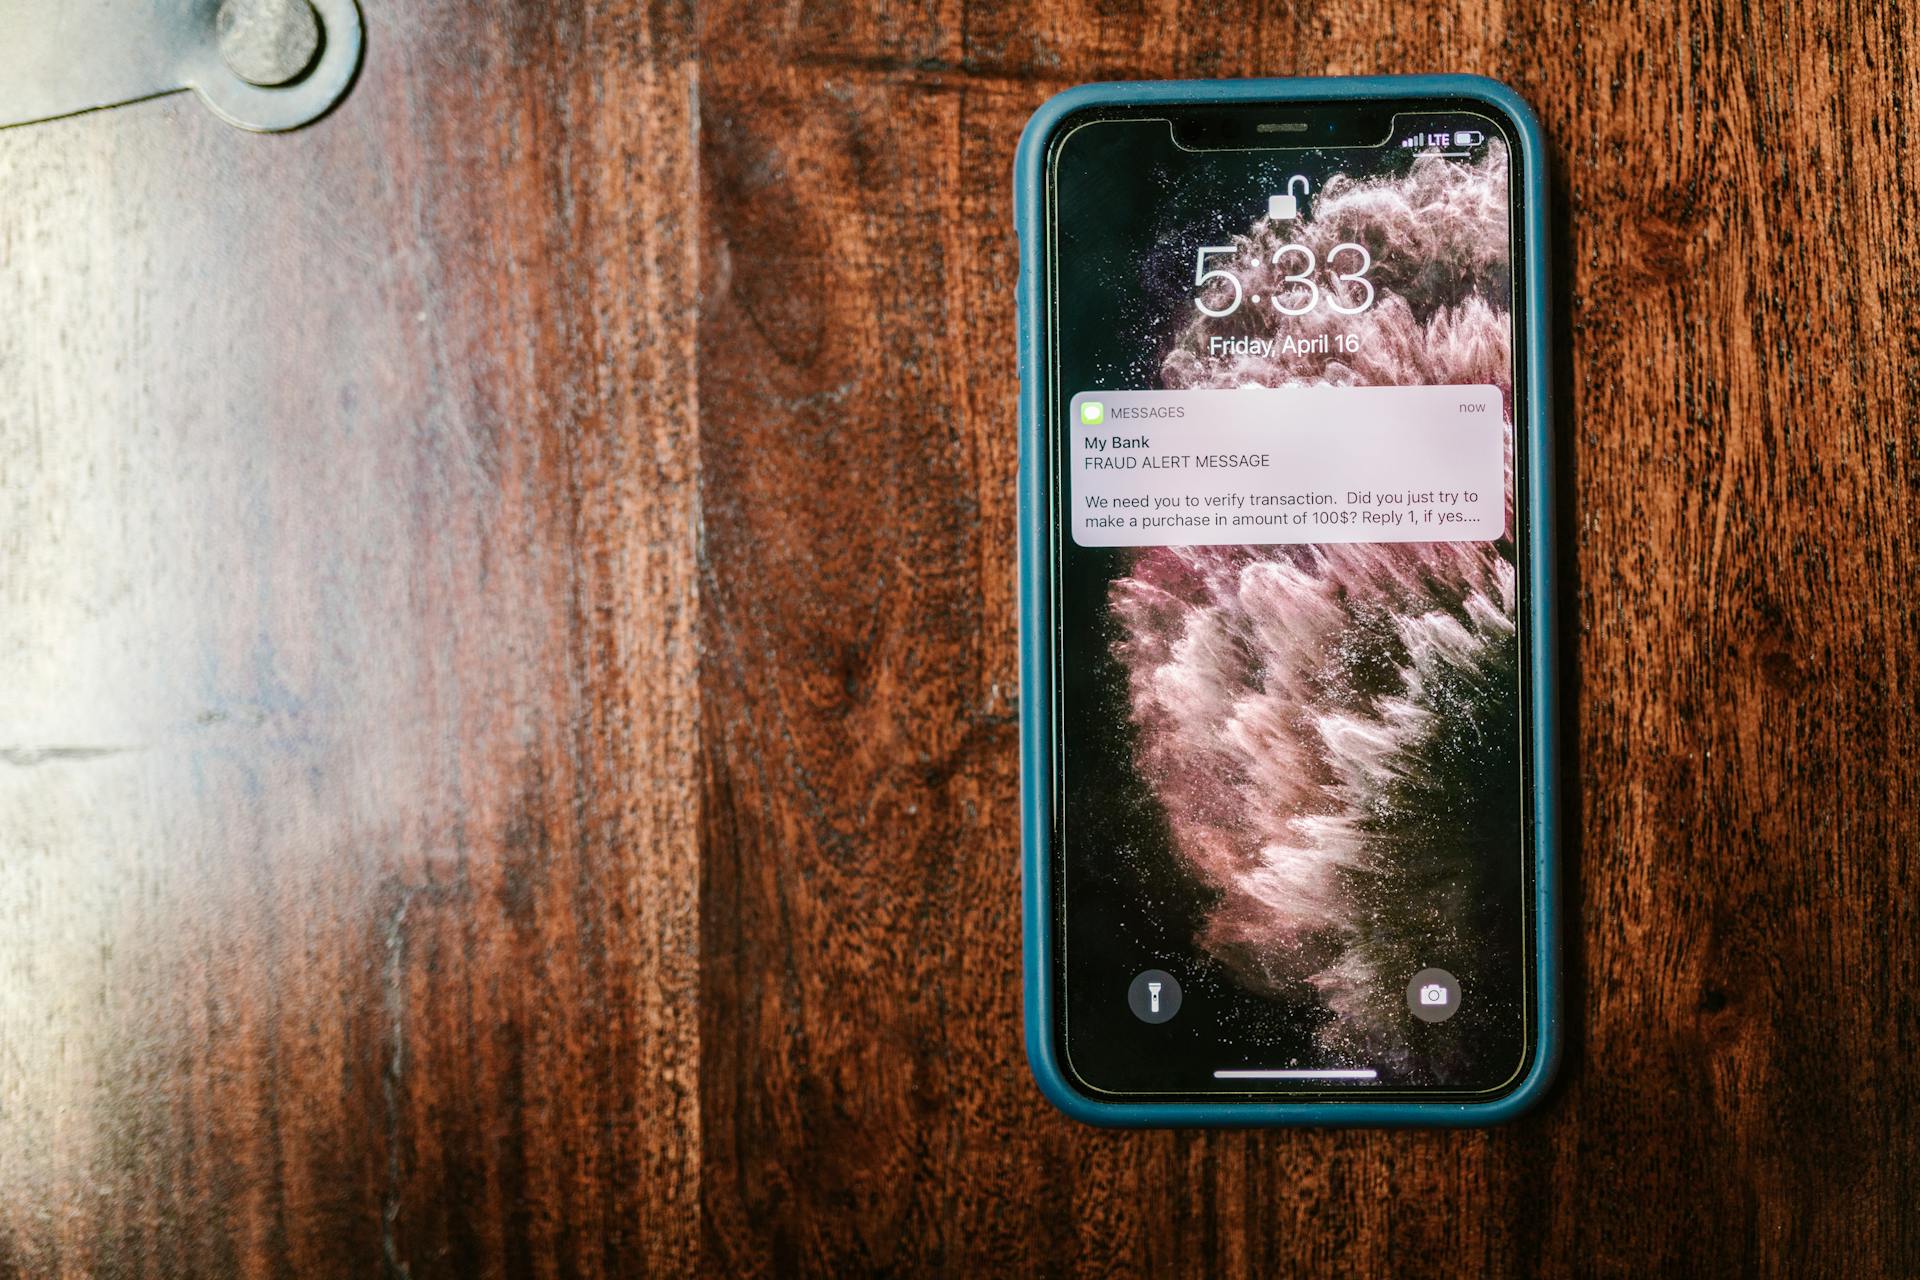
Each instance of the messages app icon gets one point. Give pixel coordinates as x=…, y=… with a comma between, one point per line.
x=1092, y=413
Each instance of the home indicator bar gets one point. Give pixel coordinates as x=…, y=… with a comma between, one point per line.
x=1325, y=1073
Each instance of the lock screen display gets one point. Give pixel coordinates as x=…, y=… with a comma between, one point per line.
x=1290, y=846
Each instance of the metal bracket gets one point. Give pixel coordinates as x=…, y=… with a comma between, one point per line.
x=264, y=65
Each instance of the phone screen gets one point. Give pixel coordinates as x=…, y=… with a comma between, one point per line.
x=1291, y=847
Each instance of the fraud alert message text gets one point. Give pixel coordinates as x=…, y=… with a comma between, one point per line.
x=1300, y=464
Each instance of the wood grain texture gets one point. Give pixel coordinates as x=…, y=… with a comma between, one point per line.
x=349, y=875
x=507, y=743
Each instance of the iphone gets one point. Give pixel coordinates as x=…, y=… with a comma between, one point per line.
x=1287, y=716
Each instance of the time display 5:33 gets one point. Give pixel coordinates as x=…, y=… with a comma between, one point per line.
x=1300, y=291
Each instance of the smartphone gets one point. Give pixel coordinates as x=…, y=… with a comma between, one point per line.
x=1287, y=706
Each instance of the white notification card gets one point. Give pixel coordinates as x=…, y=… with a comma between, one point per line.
x=1299, y=464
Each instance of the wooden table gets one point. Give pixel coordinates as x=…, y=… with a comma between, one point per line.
x=507, y=728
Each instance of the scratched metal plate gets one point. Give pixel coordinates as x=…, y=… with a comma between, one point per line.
x=61, y=57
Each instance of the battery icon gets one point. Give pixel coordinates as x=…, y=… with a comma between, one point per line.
x=1468, y=138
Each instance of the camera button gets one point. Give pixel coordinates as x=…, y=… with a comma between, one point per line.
x=1433, y=995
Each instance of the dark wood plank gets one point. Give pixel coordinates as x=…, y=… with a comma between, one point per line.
x=1739, y=425
x=859, y=1003
x=508, y=615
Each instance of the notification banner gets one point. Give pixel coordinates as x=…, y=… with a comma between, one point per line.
x=1298, y=464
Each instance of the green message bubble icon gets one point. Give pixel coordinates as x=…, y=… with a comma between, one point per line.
x=1092, y=413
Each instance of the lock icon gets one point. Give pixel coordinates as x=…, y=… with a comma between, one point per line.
x=1287, y=207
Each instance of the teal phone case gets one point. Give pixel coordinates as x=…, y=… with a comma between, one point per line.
x=1036, y=745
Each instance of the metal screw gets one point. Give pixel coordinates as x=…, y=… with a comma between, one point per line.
x=268, y=42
